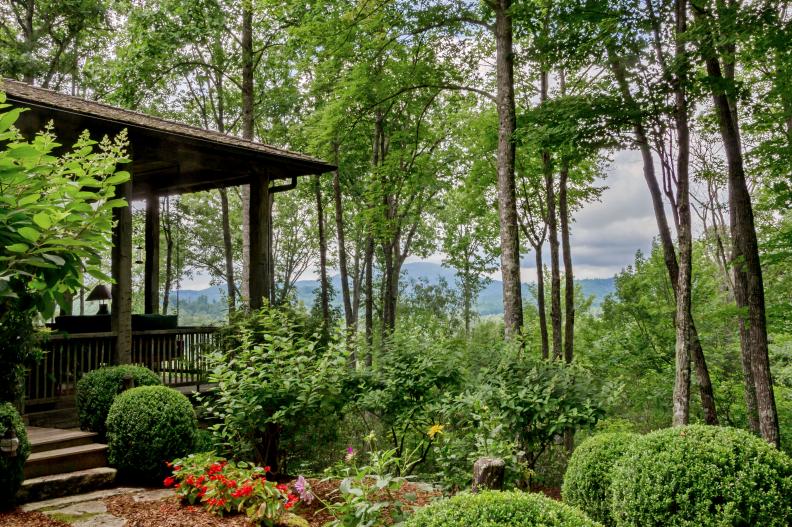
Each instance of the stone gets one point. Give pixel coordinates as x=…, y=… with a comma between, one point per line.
x=488, y=474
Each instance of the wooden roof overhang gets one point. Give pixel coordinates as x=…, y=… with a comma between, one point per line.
x=167, y=157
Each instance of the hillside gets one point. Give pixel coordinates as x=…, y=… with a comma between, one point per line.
x=205, y=305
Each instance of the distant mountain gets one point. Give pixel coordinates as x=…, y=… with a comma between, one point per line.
x=489, y=301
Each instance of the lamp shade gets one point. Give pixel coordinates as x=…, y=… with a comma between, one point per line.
x=100, y=292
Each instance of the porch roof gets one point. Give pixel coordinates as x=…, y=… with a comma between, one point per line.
x=168, y=157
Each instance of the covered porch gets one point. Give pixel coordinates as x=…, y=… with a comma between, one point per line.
x=167, y=158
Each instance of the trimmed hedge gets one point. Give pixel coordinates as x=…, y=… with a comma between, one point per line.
x=11, y=468
x=499, y=509
x=147, y=427
x=97, y=389
x=587, y=480
x=702, y=476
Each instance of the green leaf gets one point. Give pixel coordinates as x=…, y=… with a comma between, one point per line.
x=17, y=247
x=29, y=199
x=43, y=220
x=9, y=118
x=29, y=233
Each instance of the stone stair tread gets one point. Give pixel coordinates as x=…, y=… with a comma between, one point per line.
x=45, y=436
x=64, y=452
x=64, y=484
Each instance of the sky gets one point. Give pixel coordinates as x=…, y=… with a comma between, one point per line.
x=605, y=234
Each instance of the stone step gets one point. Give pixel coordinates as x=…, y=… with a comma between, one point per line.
x=64, y=460
x=45, y=439
x=58, y=418
x=68, y=484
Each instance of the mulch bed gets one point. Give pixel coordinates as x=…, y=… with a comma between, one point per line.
x=172, y=513
x=20, y=518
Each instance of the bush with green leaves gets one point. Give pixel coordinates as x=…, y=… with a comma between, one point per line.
x=519, y=408
x=12, y=468
x=499, y=509
x=55, y=223
x=271, y=379
x=587, y=482
x=702, y=476
x=98, y=388
x=148, y=426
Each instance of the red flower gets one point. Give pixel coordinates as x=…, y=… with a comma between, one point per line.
x=267, y=469
x=282, y=488
x=169, y=481
x=247, y=490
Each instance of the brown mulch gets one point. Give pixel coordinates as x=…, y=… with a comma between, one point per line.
x=172, y=513
x=20, y=518
x=550, y=492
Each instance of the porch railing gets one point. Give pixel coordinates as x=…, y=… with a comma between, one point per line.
x=177, y=355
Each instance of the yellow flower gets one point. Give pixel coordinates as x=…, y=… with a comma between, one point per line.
x=434, y=430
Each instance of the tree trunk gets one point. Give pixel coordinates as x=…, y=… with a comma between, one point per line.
x=342, y=255
x=322, y=257
x=666, y=241
x=369, y=292
x=681, y=409
x=507, y=200
x=540, y=301
x=228, y=251
x=569, y=279
x=749, y=288
x=552, y=227
x=247, y=133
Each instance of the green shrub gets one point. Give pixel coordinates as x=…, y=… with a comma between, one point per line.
x=11, y=468
x=499, y=509
x=702, y=476
x=148, y=426
x=97, y=389
x=588, y=477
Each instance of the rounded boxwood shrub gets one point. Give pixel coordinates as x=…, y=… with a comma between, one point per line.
x=702, y=476
x=499, y=509
x=147, y=427
x=588, y=476
x=97, y=389
x=11, y=468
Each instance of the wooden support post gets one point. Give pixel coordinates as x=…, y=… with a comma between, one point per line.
x=121, y=270
x=151, y=287
x=259, y=285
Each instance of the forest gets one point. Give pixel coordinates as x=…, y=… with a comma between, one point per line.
x=472, y=134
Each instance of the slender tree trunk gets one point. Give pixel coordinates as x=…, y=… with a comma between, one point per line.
x=507, y=200
x=749, y=288
x=30, y=44
x=228, y=251
x=342, y=254
x=552, y=227
x=322, y=256
x=569, y=279
x=681, y=409
x=247, y=133
x=369, y=292
x=666, y=241
x=540, y=301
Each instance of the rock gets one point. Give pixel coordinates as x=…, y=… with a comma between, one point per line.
x=292, y=520
x=488, y=473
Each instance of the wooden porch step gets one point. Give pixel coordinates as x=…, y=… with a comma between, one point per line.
x=62, y=460
x=44, y=439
